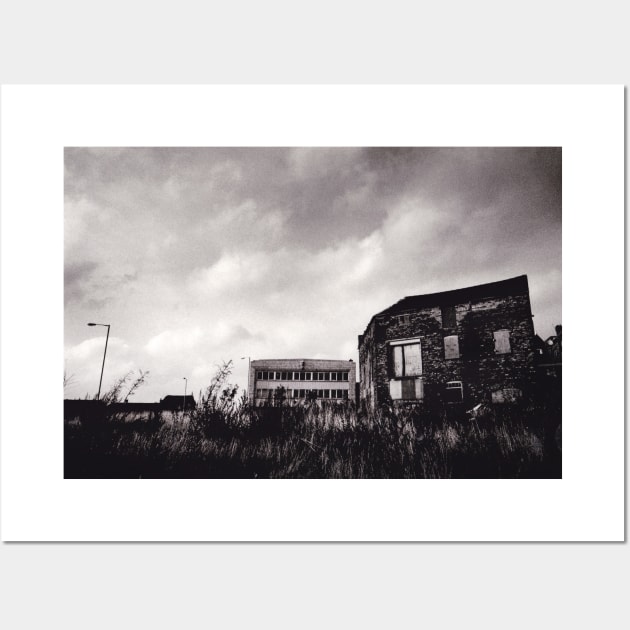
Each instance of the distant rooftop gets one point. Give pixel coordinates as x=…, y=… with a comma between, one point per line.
x=308, y=363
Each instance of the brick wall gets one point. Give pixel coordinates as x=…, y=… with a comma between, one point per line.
x=479, y=367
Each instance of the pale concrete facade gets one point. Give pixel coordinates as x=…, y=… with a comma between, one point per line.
x=301, y=380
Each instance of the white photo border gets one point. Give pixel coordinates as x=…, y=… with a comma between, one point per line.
x=38, y=504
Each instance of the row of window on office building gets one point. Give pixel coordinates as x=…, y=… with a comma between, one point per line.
x=262, y=375
x=333, y=394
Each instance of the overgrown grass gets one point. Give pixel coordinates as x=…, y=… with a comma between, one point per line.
x=224, y=437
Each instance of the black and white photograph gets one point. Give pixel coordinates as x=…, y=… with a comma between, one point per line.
x=284, y=288
x=313, y=312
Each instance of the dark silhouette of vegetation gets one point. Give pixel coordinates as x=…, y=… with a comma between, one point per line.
x=223, y=436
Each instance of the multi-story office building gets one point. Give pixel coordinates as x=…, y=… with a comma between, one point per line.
x=271, y=380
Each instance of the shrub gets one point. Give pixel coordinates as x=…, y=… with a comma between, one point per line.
x=225, y=437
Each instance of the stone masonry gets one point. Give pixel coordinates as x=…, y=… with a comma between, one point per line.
x=468, y=345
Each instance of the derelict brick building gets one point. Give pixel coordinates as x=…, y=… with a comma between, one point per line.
x=301, y=379
x=468, y=345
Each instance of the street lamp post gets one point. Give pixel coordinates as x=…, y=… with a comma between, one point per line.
x=185, y=389
x=98, y=396
x=249, y=365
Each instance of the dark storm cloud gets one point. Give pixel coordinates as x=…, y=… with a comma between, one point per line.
x=522, y=181
x=313, y=188
x=75, y=273
x=325, y=194
x=75, y=276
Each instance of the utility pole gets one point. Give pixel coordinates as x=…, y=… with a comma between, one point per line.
x=98, y=396
x=249, y=365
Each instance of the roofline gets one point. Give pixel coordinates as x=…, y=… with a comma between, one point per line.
x=300, y=359
x=457, y=296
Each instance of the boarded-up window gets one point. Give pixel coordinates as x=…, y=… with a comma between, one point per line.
x=409, y=388
x=406, y=389
x=451, y=347
x=448, y=317
x=406, y=359
x=395, y=390
x=413, y=360
x=419, y=389
x=502, y=341
x=399, y=363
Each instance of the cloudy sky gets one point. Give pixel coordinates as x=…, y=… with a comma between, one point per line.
x=198, y=256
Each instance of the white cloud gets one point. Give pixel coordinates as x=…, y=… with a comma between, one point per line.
x=83, y=363
x=95, y=346
x=173, y=341
x=232, y=272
